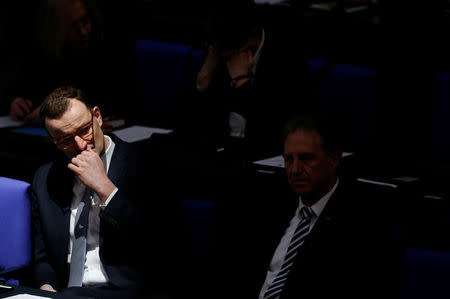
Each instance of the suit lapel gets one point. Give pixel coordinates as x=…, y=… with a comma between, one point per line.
x=118, y=163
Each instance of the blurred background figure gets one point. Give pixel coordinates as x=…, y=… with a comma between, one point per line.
x=69, y=49
x=253, y=77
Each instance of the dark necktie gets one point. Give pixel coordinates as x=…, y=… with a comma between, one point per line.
x=297, y=240
x=78, y=256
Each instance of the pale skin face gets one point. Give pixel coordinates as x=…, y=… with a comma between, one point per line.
x=84, y=154
x=311, y=171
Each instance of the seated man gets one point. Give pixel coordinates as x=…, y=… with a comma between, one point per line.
x=86, y=206
x=327, y=237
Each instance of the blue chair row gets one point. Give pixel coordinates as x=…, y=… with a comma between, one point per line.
x=346, y=91
x=15, y=228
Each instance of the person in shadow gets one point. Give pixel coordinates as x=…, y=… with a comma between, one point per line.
x=321, y=235
x=253, y=78
x=69, y=49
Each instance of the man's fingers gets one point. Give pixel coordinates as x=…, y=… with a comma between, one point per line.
x=73, y=167
x=25, y=106
x=29, y=104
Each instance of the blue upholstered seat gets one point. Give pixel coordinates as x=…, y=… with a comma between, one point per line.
x=426, y=274
x=441, y=115
x=348, y=92
x=164, y=74
x=15, y=225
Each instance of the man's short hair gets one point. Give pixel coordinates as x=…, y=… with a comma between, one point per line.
x=327, y=128
x=57, y=102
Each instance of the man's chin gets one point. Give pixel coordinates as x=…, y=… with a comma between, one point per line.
x=301, y=189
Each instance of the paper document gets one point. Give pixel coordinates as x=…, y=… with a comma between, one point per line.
x=25, y=296
x=406, y=179
x=278, y=161
x=272, y=2
x=136, y=133
x=7, y=122
x=376, y=182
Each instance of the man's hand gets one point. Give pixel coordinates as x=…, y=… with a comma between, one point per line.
x=47, y=287
x=34, y=117
x=89, y=168
x=20, y=108
x=208, y=67
x=240, y=64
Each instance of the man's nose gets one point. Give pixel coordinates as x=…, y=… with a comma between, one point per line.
x=297, y=166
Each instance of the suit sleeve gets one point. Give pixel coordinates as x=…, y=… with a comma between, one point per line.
x=42, y=271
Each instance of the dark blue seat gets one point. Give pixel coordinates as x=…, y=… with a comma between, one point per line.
x=197, y=219
x=347, y=92
x=164, y=74
x=15, y=226
x=315, y=67
x=426, y=274
x=441, y=116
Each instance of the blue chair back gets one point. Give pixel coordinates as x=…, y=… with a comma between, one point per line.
x=15, y=224
x=426, y=274
x=441, y=116
x=315, y=66
x=198, y=223
x=164, y=74
x=348, y=92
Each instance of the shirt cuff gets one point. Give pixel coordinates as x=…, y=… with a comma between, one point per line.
x=109, y=198
x=201, y=88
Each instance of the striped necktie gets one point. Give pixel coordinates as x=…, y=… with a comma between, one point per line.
x=78, y=256
x=302, y=230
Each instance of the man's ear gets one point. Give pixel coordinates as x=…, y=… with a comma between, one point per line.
x=335, y=157
x=97, y=115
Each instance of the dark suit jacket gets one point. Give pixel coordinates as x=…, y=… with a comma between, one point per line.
x=348, y=253
x=121, y=222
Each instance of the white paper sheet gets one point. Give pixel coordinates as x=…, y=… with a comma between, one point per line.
x=6, y=122
x=25, y=296
x=376, y=182
x=278, y=161
x=136, y=133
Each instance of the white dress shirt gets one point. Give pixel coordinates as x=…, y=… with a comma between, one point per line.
x=280, y=252
x=94, y=273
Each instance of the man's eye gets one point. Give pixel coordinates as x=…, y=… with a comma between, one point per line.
x=65, y=140
x=84, y=131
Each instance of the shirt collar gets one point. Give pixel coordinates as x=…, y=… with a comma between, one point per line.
x=258, y=52
x=320, y=204
x=107, y=155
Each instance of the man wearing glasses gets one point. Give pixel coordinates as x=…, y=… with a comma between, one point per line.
x=96, y=179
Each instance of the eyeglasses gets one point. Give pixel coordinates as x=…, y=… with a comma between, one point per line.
x=85, y=133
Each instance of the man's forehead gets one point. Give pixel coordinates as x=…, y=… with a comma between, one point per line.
x=75, y=116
